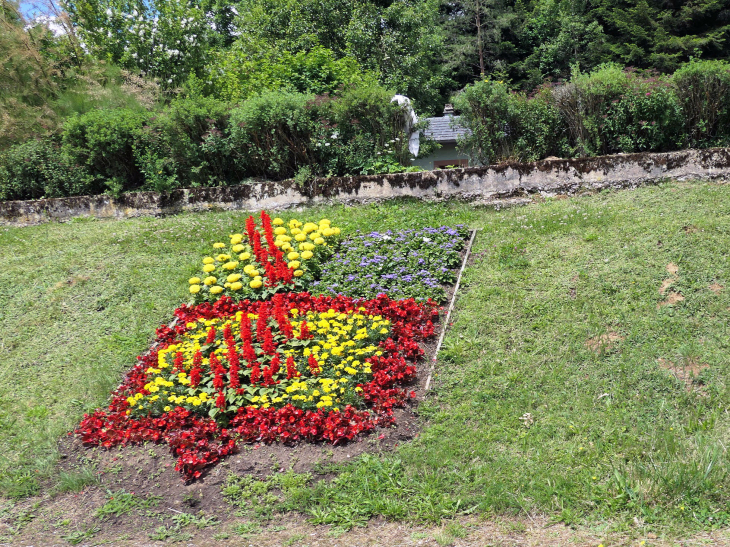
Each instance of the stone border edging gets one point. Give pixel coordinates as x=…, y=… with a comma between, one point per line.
x=482, y=184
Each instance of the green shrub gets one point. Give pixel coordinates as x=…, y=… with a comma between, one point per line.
x=40, y=169
x=107, y=142
x=703, y=90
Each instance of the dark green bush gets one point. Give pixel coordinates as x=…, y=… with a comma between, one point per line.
x=40, y=169
x=703, y=91
x=107, y=143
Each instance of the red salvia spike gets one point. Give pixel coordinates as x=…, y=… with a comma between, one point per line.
x=255, y=374
x=261, y=323
x=211, y=336
x=179, y=363
x=291, y=368
x=249, y=353
x=304, y=331
x=220, y=401
x=246, y=328
x=268, y=344
x=250, y=229
x=268, y=381
x=313, y=365
x=195, y=371
x=233, y=369
x=227, y=334
x=275, y=364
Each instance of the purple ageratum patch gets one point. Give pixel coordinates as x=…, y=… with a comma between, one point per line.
x=413, y=263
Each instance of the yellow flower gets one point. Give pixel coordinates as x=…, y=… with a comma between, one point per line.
x=314, y=235
x=230, y=265
x=298, y=273
x=208, y=260
x=294, y=264
x=209, y=280
x=244, y=256
x=237, y=286
x=256, y=283
x=319, y=240
x=233, y=278
x=194, y=280
x=279, y=230
x=238, y=248
x=222, y=257
x=309, y=227
x=295, y=231
x=300, y=237
x=325, y=221
x=253, y=272
x=194, y=289
x=293, y=255
x=336, y=230
x=306, y=255
x=167, y=409
x=208, y=268
x=236, y=239
x=219, y=245
x=277, y=221
x=216, y=289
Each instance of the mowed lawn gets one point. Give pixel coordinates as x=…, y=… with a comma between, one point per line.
x=568, y=383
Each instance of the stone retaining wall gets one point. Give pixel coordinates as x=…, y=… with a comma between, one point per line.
x=479, y=184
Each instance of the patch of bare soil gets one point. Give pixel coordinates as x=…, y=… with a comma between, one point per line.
x=665, y=285
x=716, y=288
x=672, y=298
x=685, y=370
x=690, y=229
x=603, y=343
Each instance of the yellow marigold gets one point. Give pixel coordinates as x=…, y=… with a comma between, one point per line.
x=280, y=230
x=256, y=283
x=253, y=272
x=319, y=240
x=277, y=221
x=194, y=280
x=237, y=286
x=216, y=289
x=222, y=257
x=247, y=268
x=208, y=260
x=325, y=221
x=306, y=255
x=301, y=237
x=219, y=245
x=298, y=273
x=238, y=248
x=328, y=232
x=308, y=246
x=230, y=265
x=194, y=289
x=314, y=235
x=336, y=230
x=294, y=264
x=293, y=255
x=208, y=268
x=236, y=239
x=244, y=256
x=209, y=280
x=286, y=247
x=233, y=278
x=309, y=227
x=295, y=231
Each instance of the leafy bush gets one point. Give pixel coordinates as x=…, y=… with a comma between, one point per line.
x=38, y=169
x=106, y=143
x=703, y=91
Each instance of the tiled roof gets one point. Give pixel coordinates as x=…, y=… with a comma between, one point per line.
x=440, y=130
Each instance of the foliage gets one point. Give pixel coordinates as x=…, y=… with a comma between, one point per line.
x=703, y=92
x=40, y=169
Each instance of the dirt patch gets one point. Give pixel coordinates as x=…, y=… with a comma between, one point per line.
x=686, y=370
x=665, y=285
x=716, y=288
x=690, y=229
x=672, y=299
x=672, y=268
x=604, y=342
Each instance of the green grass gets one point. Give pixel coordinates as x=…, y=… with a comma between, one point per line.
x=524, y=417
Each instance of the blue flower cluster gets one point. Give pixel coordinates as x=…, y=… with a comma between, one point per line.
x=403, y=264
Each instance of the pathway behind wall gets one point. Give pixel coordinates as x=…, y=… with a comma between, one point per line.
x=494, y=184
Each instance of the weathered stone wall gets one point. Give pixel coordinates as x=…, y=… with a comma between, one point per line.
x=479, y=184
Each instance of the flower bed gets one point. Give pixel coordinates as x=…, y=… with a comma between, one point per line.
x=254, y=358
x=404, y=264
x=249, y=371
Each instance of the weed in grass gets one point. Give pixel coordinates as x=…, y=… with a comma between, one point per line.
x=247, y=529
x=120, y=503
x=199, y=521
x=79, y=536
x=164, y=533
x=262, y=497
x=75, y=481
x=294, y=538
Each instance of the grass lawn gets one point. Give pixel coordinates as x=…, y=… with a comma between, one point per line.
x=567, y=384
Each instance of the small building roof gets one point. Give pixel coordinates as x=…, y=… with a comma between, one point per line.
x=441, y=130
